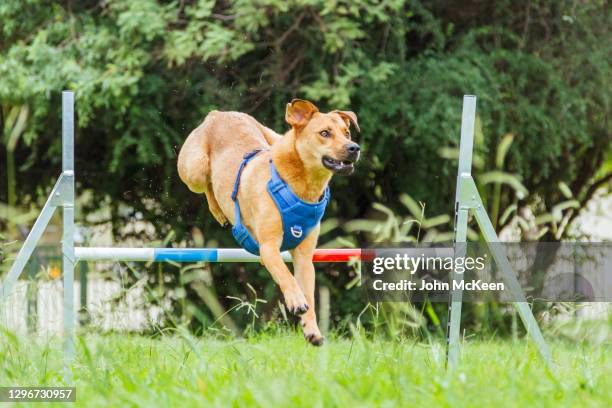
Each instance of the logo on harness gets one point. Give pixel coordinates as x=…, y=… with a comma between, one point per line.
x=296, y=231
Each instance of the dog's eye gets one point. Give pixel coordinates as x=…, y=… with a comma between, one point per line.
x=325, y=133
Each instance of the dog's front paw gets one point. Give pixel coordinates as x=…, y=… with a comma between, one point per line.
x=296, y=302
x=312, y=333
x=314, y=339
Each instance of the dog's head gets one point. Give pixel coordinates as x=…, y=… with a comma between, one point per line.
x=323, y=139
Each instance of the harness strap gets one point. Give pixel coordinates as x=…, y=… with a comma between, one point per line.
x=278, y=186
x=245, y=159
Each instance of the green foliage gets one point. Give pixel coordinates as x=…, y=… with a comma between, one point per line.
x=146, y=72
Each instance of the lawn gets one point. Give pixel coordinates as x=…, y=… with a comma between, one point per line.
x=282, y=370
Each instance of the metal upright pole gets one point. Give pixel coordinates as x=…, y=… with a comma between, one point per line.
x=466, y=145
x=68, y=223
x=62, y=195
x=467, y=198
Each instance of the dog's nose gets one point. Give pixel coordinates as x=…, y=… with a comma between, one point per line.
x=352, y=148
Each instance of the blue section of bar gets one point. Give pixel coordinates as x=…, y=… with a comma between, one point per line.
x=185, y=254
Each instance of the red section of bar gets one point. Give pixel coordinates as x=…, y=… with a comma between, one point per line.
x=342, y=255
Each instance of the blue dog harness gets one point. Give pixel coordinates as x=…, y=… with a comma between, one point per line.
x=299, y=217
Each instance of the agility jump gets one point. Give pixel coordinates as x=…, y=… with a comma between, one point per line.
x=467, y=199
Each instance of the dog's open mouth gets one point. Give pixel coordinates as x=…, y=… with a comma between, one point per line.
x=343, y=167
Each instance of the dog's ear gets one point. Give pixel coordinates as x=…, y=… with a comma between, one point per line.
x=348, y=117
x=299, y=112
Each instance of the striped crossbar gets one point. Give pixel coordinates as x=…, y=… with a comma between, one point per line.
x=206, y=254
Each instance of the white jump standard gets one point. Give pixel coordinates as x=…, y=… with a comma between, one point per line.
x=467, y=199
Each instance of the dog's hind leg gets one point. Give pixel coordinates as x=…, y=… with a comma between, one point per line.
x=193, y=162
x=214, y=207
x=194, y=169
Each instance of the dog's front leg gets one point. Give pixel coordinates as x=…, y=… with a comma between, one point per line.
x=305, y=275
x=272, y=260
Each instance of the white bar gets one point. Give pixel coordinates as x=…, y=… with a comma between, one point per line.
x=67, y=131
x=114, y=254
x=148, y=254
x=466, y=143
x=240, y=255
x=235, y=255
x=466, y=146
x=68, y=229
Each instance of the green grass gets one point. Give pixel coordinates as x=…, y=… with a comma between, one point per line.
x=282, y=370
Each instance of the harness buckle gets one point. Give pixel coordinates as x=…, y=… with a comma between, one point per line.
x=276, y=185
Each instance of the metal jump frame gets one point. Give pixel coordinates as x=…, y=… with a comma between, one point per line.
x=467, y=199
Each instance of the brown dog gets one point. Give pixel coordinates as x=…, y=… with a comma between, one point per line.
x=317, y=146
